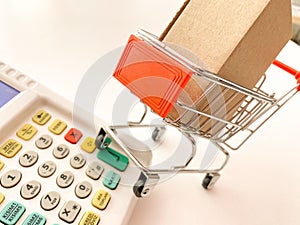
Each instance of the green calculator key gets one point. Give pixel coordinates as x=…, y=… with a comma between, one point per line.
x=34, y=219
x=111, y=180
x=12, y=213
x=113, y=158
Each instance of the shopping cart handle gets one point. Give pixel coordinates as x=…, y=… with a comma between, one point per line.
x=290, y=70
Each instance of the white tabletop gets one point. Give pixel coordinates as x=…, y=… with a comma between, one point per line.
x=55, y=42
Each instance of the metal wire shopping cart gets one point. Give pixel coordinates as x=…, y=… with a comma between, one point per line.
x=227, y=128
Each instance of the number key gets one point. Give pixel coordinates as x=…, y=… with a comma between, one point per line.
x=43, y=142
x=50, y=200
x=61, y=151
x=30, y=189
x=28, y=159
x=83, y=189
x=11, y=178
x=77, y=161
x=65, y=179
x=47, y=169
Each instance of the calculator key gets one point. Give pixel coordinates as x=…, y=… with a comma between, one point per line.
x=113, y=158
x=11, y=178
x=73, y=136
x=65, y=179
x=89, y=218
x=28, y=159
x=30, y=189
x=2, y=198
x=41, y=117
x=111, y=180
x=47, y=169
x=77, y=161
x=12, y=213
x=88, y=145
x=57, y=127
x=94, y=170
x=61, y=151
x=26, y=132
x=44, y=141
x=101, y=200
x=1, y=165
x=35, y=219
x=83, y=189
x=69, y=211
x=50, y=200
x=10, y=148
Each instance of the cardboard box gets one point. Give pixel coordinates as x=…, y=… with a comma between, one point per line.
x=238, y=40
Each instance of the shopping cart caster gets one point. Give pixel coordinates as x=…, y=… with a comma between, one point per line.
x=209, y=180
x=158, y=133
x=145, y=184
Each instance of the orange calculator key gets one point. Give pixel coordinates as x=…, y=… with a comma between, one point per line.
x=73, y=136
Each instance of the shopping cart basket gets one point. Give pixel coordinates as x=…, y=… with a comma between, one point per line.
x=157, y=74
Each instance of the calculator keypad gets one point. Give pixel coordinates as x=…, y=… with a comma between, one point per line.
x=67, y=210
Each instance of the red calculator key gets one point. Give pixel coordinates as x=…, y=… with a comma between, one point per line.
x=73, y=136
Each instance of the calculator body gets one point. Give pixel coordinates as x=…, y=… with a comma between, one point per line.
x=32, y=140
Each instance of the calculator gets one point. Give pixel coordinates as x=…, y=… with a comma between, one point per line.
x=51, y=171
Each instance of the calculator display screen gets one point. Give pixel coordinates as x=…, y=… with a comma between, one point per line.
x=6, y=93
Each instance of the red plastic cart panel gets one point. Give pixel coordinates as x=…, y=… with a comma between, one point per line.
x=151, y=75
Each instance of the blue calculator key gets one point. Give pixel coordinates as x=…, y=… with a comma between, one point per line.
x=12, y=213
x=35, y=219
x=111, y=180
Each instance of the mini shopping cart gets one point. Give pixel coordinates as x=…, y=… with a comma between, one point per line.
x=230, y=113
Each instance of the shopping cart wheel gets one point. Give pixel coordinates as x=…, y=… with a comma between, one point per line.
x=145, y=184
x=209, y=180
x=158, y=133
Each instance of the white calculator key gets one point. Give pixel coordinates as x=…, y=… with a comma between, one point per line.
x=83, y=189
x=94, y=170
x=28, y=159
x=65, y=179
x=47, y=169
x=77, y=161
x=44, y=141
x=61, y=151
x=11, y=178
x=69, y=211
x=30, y=189
x=50, y=200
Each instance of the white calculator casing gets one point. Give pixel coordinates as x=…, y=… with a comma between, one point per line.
x=19, y=111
